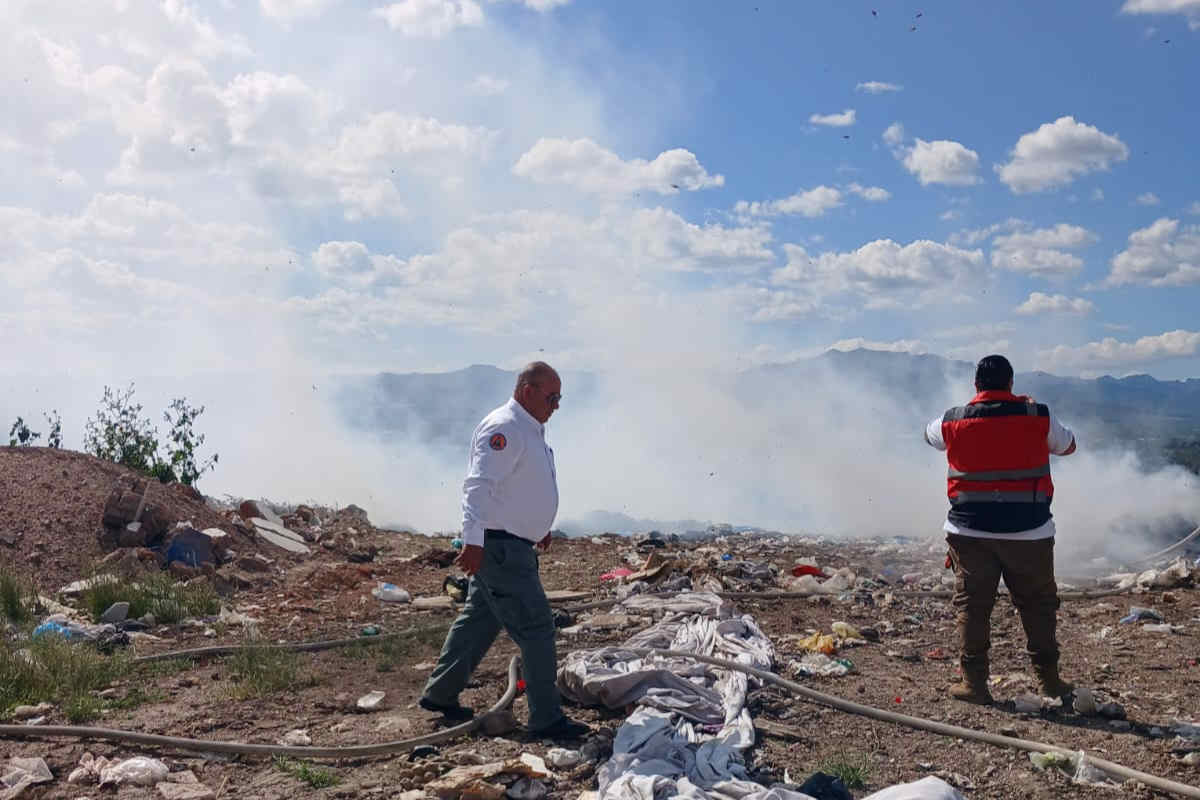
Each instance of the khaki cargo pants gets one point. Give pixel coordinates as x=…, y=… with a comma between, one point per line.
x=1028, y=572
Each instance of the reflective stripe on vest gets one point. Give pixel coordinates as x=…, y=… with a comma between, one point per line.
x=997, y=496
x=1000, y=475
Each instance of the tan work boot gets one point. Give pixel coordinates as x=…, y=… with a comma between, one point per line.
x=973, y=688
x=1052, y=685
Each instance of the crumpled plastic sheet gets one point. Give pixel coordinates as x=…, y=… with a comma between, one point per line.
x=685, y=739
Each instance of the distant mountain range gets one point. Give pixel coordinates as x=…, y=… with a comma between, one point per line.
x=1137, y=412
x=445, y=407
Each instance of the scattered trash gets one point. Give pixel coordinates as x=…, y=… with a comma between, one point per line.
x=369, y=630
x=139, y=770
x=117, y=612
x=297, y=737
x=1053, y=759
x=1162, y=627
x=845, y=631
x=726, y=557
x=473, y=781
x=439, y=601
x=560, y=758
x=807, y=569
x=527, y=789
x=818, y=643
x=455, y=587
x=29, y=712
x=456, y=543
x=1027, y=704
x=1084, y=702
x=822, y=665
x=821, y=786
x=391, y=593
x=370, y=701
x=1138, y=613
x=23, y=772
x=616, y=574
x=937, y=654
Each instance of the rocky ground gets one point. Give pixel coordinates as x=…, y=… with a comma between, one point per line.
x=51, y=532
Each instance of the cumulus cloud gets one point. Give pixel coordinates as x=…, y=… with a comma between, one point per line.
x=912, y=346
x=1165, y=253
x=1148, y=199
x=287, y=10
x=842, y=120
x=1042, y=252
x=430, y=18
x=883, y=273
x=1109, y=352
x=974, y=236
x=342, y=259
x=1038, y=303
x=877, y=87
x=1190, y=9
x=1057, y=153
x=589, y=167
x=942, y=161
x=807, y=203
x=873, y=194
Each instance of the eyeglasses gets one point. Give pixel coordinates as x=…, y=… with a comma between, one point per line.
x=553, y=397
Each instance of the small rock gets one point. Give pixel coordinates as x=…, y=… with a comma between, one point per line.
x=149, y=620
x=109, y=694
x=370, y=701
x=499, y=723
x=210, y=633
x=117, y=612
x=28, y=712
x=1027, y=704
x=185, y=791
x=527, y=789
x=1192, y=758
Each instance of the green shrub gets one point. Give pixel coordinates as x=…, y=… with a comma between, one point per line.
x=49, y=668
x=260, y=669
x=316, y=777
x=16, y=598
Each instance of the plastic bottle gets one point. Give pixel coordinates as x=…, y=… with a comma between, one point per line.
x=391, y=593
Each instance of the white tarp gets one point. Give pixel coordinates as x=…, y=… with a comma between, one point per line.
x=686, y=738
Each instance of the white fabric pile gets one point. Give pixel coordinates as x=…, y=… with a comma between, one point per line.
x=686, y=738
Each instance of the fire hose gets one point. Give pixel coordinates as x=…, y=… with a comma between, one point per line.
x=387, y=748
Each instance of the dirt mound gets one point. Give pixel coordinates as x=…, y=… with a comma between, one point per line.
x=53, y=503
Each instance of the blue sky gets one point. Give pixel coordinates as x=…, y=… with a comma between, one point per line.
x=325, y=185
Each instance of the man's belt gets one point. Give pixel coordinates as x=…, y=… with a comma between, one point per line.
x=496, y=533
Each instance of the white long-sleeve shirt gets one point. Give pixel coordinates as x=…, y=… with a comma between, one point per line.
x=511, y=483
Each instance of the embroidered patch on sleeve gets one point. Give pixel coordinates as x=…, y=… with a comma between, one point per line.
x=497, y=442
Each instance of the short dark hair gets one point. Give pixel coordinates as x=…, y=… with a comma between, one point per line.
x=993, y=373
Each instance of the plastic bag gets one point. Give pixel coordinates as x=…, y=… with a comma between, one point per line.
x=391, y=593
x=139, y=770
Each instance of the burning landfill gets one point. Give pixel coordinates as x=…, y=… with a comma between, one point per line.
x=279, y=650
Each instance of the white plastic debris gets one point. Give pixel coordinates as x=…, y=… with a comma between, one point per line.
x=22, y=772
x=391, y=593
x=561, y=758
x=370, y=701
x=297, y=737
x=1027, y=703
x=139, y=770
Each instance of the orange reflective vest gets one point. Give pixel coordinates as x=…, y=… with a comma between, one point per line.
x=999, y=463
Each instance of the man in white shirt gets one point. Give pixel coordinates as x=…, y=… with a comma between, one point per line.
x=998, y=448
x=510, y=499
